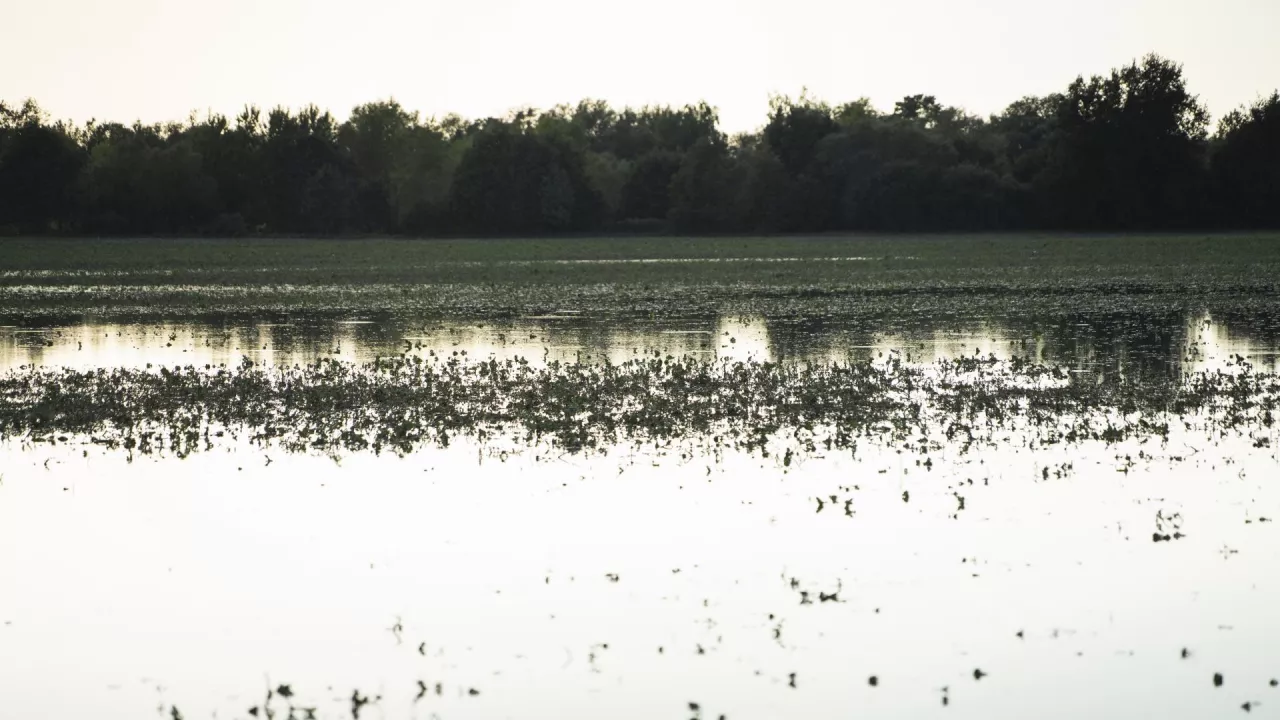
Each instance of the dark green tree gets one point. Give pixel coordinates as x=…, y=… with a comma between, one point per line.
x=513, y=181
x=39, y=164
x=705, y=189
x=647, y=192
x=300, y=154
x=1125, y=151
x=374, y=139
x=1246, y=165
x=1128, y=152
x=146, y=179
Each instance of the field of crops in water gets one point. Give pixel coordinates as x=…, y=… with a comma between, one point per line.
x=974, y=477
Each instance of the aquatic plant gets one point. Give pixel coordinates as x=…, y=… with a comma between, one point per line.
x=401, y=403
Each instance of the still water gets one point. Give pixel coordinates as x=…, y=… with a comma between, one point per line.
x=513, y=580
x=1177, y=341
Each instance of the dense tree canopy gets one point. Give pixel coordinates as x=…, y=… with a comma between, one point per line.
x=1130, y=150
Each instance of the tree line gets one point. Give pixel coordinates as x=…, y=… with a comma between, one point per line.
x=1126, y=151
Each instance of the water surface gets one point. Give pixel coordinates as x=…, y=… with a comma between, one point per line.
x=1183, y=341
x=516, y=579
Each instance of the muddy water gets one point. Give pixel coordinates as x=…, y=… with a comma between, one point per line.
x=523, y=581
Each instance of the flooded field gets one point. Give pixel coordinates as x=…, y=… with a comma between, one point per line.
x=828, y=493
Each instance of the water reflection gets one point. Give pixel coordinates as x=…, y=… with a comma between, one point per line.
x=628, y=585
x=634, y=582
x=1118, y=342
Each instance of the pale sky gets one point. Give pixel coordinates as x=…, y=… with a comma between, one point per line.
x=158, y=60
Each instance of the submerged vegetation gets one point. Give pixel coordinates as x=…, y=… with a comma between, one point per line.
x=403, y=403
x=1131, y=150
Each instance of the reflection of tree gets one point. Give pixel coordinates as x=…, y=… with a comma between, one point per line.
x=1139, y=341
x=1147, y=342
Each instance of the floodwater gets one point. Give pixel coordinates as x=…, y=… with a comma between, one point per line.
x=508, y=579
x=1187, y=341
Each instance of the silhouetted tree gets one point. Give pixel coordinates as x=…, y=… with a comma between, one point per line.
x=422, y=178
x=1028, y=128
x=638, y=132
x=300, y=155
x=703, y=190
x=647, y=192
x=512, y=181
x=1246, y=165
x=793, y=134
x=1124, y=151
x=231, y=156
x=1127, y=152
x=146, y=179
x=39, y=164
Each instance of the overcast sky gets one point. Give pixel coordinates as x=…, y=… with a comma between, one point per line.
x=160, y=59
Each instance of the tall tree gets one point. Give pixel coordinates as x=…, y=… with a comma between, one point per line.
x=1128, y=151
x=39, y=164
x=512, y=180
x=1246, y=165
x=375, y=138
x=301, y=155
